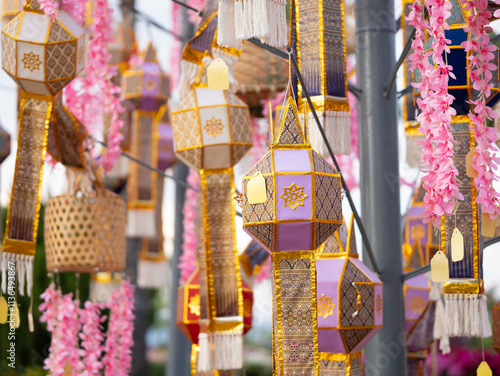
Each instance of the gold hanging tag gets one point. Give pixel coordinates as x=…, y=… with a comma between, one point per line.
x=4, y=310
x=457, y=246
x=471, y=172
x=256, y=189
x=218, y=75
x=487, y=226
x=484, y=369
x=15, y=313
x=440, y=271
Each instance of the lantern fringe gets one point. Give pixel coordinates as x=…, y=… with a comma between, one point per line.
x=276, y=18
x=24, y=268
x=414, y=151
x=226, y=35
x=337, y=126
x=466, y=315
x=141, y=223
x=204, y=363
x=228, y=349
x=439, y=325
x=152, y=274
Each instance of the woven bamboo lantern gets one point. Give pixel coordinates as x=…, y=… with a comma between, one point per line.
x=85, y=234
x=349, y=303
x=65, y=138
x=496, y=327
x=42, y=55
x=291, y=205
x=189, y=307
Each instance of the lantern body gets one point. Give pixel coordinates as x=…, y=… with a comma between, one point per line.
x=10, y=9
x=496, y=327
x=211, y=128
x=416, y=291
x=189, y=307
x=345, y=285
x=303, y=206
x=85, y=234
x=42, y=55
x=166, y=154
x=146, y=86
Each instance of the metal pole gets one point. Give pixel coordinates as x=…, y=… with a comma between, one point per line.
x=179, y=349
x=380, y=201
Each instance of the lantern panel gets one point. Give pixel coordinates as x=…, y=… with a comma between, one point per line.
x=416, y=292
x=30, y=61
x=9, y=55
x=214, y=123
x=34, y=27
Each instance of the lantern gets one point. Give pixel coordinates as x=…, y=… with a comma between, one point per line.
x=349, y=304
x=496, y=327
x=189, y=307
x=42, y=55
x=252, y=258
x=320, y=49
x=65, y=138
x=152, y=262
x=10, y=9
x=212, y=133
x=147, y=88
x=291, y=205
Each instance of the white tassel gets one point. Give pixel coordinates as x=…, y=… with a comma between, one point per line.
x=228, y=350
x=21, y=273
x=189, y=74
x=484, y=317
x=204, y=363
x=29, y=274
x=226, y=31
x=337, y=126
x=152, y=274
x=444, y=345
x=466, y=315
x=261, y=14
x=141, y=223
x=3, y=271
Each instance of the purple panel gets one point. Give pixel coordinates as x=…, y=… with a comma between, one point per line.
x=258, y=241
x=330, y=341
x=300, y=212
x=294, y=236
x=150, y=85
x=416, y=301
x=412, y=223
x=151, y=67
x=379, y=305
x=165, y=146
x=365, y=270
x=418, y=281
x=328, y=272
x=365, y=340
x=148, y=104
x=292, y=161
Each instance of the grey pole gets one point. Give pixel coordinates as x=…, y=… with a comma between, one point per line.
x=385, y=355
x=179, y=349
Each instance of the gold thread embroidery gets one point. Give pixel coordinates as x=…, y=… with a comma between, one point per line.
x=31, y=61
x=214, y=127
x=194, y=305
x=294, y=196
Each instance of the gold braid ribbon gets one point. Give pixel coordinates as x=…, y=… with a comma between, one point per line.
x=24, y=209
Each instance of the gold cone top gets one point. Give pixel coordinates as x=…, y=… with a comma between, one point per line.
x=32, y=5
x=290, y=133
x=149, y=54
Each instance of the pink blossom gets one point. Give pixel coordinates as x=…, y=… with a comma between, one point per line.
x=435, y=102
x=91, y=340
x=480, y=69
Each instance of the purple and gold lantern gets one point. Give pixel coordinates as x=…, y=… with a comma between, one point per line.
x=42, y=55
x=349, y=304
x=147, y=88
x=291, y=205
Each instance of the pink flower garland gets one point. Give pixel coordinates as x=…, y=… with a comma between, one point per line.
x=436, y=111
x=60, y=313
x=76, y=8
x=480, y=71
x=187, y=261
x=92, y=338
x=90, y=97
x=119, y=341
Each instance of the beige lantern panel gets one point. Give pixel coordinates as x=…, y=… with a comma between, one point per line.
x=42, y=55
x=211, y=129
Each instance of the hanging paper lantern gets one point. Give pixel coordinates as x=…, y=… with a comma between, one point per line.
x=496, y=327
x=291, y=205
x=10, y=9
x=349, y=303
x=320, y=50
x=212, y=133
x=420, y=240
x=42, y=55
x=85, y=233
x=166, y=155
x=66, y=136
x=189, y=307
x=147, y=88
x=123, y=43
x=252, y=258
